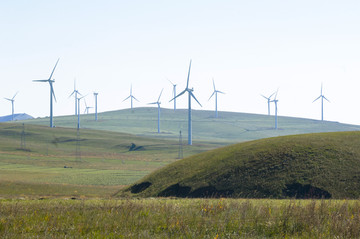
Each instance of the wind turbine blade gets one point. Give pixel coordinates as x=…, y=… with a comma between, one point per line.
x=135, y=98
x=54, y=69
x=15, y=95
x=276, y=93
x=40, y=80
x=211, y=95
x=127, y=98
x=187, y=84
x=178, y=95
x=171, y=83
x=271, y=95
x=71, y=94
x=265, y=97
x=326, y=99
x=154, y=103
x=52, y=90
x=8, y=99
x=214, y=84
x=195, y=98
x=317, y=98
x=160, y=94
x=220, y=92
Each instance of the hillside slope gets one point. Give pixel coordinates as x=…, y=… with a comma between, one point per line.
x=229, y=128
x=325, y=165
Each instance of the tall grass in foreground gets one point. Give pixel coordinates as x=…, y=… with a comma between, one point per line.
x=179, y=218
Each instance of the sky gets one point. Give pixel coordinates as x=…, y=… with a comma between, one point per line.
x=249, y=48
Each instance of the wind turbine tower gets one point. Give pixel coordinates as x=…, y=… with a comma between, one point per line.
x=322, y=97
x=215, y=93
x=187, y=89
x=78, y=114
x=275, y=100
x=268, y=101
x=131, y=97
x=52, y=94
x=75, y=93
x=12, y=105
x=95, y=95
x=174, y=94
x=158, y=104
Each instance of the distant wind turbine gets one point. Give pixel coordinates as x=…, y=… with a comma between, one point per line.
x=275, y=100
x=215, y=93
x=52, y=94
x=187, y=89
x=268, y=101
x=12, y=105
x=78, y=114
x=158, y=104
x=75, y=93
x=87, y=107
x=96, y=109
x=174, y=94
x=322, y=102
x=131, y=97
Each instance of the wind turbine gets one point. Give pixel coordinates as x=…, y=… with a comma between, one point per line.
x=322, y=102
x=158, y=104
x=215, y=93
x=95, y=95
x=87, y=108
x=268, y=101
x=187, y=89
x=75, y=93
x=275, y=100
x=78, y=114
x=52, y=94
x=12, y=105
x=131, y=97
x=174, y=94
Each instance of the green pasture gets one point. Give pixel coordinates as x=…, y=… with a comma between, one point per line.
x=59, y=162
x=229, y=128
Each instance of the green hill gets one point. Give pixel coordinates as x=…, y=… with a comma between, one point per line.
x=324, y=165
x=229, y=128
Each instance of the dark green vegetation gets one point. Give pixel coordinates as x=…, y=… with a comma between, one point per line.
x=56, y=162
x=196, y=218
x=229, y=128
x=324, y=165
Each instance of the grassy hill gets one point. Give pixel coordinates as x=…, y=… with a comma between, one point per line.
x=229, y=128
x=58, y=162
x=311, y=165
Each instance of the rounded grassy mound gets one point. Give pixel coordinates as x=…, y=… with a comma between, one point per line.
x=325, y=165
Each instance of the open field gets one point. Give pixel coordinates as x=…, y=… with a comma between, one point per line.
x=179, y=218
x=56, y=162
x=229, y=128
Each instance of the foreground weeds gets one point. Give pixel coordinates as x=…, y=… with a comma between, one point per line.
x=179, y=218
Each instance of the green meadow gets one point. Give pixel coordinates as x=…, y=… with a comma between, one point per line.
x=229, y=128
x=58, y=162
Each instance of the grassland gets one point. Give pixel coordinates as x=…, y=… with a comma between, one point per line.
x=179, y=218
x=229, y=128
x=303, y=166
x=56, y=162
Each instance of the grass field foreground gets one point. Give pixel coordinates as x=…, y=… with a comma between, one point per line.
x=179, y=218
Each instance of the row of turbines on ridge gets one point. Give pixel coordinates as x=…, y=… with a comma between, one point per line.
x=187, y=89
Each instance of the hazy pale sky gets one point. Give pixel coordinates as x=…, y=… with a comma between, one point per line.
x=248, y=47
